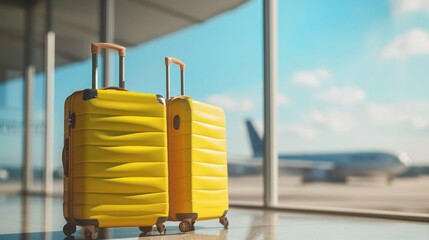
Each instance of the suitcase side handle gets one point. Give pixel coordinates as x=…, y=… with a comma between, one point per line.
x=168, y=61
x=121, y=52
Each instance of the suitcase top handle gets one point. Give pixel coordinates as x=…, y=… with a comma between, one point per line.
x=168, y=61
x=121, y=52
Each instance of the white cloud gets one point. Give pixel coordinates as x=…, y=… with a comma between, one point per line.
x=414, y=114
x=382, y=114
x=229, y=103
x=282, y=100
x=300, y=130
x=414, y=42
x=419, y=122
x=407, y=6
x=347, y=96
x=311, y=78
x=331, y=119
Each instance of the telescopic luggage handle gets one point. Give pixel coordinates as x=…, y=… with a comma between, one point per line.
x=168, y=61
x=121, y=52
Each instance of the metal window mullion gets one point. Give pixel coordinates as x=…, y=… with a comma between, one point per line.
x=29, y=72
x=270, y=110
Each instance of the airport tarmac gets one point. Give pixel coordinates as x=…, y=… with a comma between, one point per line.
x=403, y=194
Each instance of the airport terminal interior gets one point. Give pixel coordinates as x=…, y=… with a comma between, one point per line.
x=325, y=102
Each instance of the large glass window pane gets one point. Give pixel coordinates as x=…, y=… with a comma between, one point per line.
x=12, y=100
x=223, y=59
x=11, y=91
x=224, y=68
x=353, y=129
x=11, y=135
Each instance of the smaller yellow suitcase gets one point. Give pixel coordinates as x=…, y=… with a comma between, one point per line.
x=198, y=175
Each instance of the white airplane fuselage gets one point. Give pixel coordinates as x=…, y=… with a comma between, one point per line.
x=357, y=163
x=329, y=166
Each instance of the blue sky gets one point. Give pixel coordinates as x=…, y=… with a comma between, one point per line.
x=352, y=76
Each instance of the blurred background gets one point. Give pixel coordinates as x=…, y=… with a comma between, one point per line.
x=353, y=108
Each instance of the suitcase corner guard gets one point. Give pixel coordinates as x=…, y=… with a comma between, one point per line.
x=89, y=94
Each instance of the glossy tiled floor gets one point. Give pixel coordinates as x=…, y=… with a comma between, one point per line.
x=41, y=218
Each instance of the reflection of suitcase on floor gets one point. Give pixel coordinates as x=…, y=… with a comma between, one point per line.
x=114, y=157
x=197, y=159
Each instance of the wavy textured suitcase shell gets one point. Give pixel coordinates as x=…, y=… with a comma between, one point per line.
x=197, y=159
x=118, y=159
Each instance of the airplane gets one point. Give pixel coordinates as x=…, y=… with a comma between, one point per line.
x=329, y=167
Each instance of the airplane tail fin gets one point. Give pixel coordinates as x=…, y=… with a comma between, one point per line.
x=255, y=139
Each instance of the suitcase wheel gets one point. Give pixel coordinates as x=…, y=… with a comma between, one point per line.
x=224, y=221
x=186, y=225
x=69, y=229
x=91, y=232
x=145, y=229
x=161, y=228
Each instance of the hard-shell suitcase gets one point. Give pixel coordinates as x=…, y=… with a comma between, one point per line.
x=197, y=158
x=114, y=157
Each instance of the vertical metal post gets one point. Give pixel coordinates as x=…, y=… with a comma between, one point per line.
x=270, y=109
x=50, y=98
x=107, y=32
x=94, y=71
x=182, y=82
x=29, y=71
x=167, y=81
x=121, y=71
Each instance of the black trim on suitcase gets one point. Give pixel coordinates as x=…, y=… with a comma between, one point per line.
x=89, y=94
x=176, y=122
x=183, y=216
x=72, y=120
x=65, y=157
x=87, y=222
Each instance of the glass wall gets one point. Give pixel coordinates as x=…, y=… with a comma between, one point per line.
x=353, y=133
x=12, y=91
x=223, y=59
x=353, y=109
x=224, y=68
x=11, y=98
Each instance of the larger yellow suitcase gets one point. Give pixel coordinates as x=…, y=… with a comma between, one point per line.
x=114, y=157
x=197, y=159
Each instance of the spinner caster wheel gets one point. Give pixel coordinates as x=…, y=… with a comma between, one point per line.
x=224, y=221
x=161, y=228
x=145, y=229
x=91, y=232
x=185, y=226
x=69, y=229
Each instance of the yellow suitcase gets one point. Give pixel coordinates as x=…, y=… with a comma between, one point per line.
x=114, y=157
x=198, y=176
